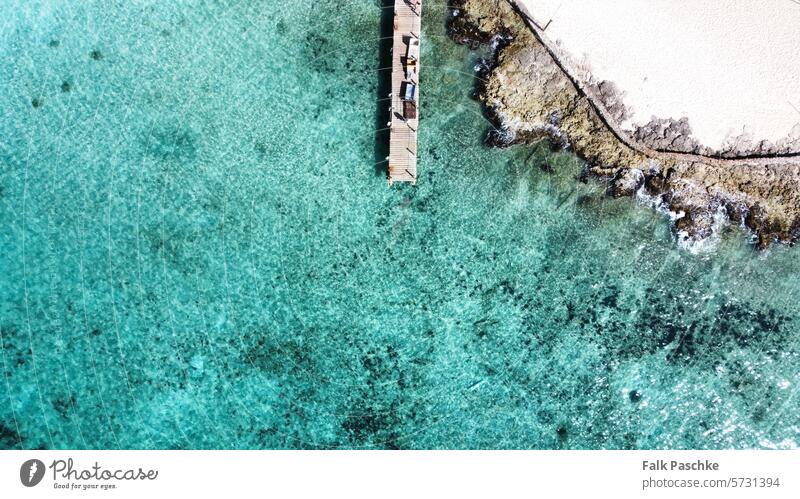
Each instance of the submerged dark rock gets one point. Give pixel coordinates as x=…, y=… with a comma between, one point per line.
x=8, y=437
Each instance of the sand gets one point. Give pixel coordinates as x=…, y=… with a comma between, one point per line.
x=732, y=67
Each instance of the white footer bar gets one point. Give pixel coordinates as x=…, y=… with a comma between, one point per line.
x=401, y=474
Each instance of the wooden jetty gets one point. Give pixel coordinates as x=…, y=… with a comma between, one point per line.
x=405, y=91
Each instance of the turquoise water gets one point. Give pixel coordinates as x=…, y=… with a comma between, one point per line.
x=200, y=251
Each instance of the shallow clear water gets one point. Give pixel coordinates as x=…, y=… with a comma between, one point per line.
x=199, y=251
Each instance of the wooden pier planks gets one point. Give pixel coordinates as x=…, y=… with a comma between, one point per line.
x=403, y=133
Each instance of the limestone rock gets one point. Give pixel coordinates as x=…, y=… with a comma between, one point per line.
x=530, y=97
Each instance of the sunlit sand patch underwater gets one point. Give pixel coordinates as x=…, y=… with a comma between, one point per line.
x=200, y=251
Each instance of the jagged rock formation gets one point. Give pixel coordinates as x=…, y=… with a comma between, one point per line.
x=669, y=134
x=530, y=96
x=611, y=97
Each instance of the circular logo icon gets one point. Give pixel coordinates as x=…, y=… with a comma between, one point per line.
x=31, y=472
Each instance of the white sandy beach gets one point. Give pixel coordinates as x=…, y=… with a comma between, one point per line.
x=731, y=66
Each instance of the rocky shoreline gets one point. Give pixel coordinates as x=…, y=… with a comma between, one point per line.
x=530, y=96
